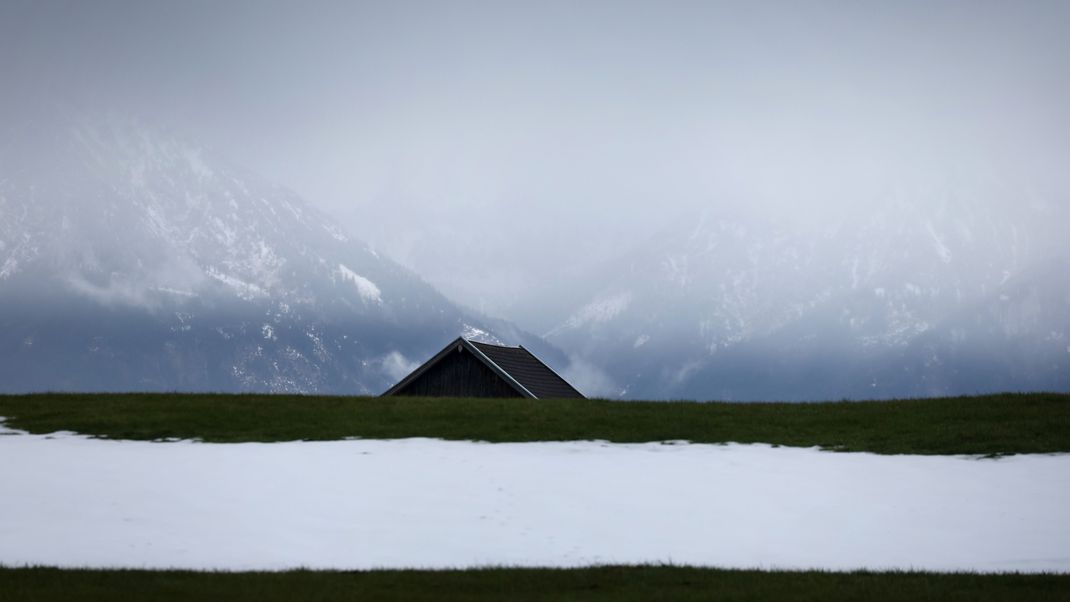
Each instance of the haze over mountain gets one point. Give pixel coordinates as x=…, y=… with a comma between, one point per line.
x=745, y=200
x=925, y=297
x=132, y=260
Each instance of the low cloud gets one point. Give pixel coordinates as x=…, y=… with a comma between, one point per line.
x=589, y=379
x=397, y=366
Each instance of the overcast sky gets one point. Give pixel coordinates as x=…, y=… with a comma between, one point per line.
x=494, y=145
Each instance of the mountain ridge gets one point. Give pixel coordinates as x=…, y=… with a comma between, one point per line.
x=734, y=306
x=132, y=260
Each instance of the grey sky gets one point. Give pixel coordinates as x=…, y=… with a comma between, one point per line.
x=494, y=145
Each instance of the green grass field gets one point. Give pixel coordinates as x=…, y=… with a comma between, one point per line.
x=996, y=424
x=590, y=584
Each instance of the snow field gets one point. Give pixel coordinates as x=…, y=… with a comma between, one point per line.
x=71, y=501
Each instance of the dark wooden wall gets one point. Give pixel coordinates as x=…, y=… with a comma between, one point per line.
x=459, y=374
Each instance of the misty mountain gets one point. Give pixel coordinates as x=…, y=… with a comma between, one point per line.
x=922, y=297
x=132, y=260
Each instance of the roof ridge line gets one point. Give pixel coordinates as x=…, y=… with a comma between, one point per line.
x=501, y=371
x=475, y=342
x=423, y=367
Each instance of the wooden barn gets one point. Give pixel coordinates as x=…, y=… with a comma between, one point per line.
x=473, y=369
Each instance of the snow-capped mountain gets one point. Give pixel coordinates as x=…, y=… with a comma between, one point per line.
x=920, y=297
x=132, y=260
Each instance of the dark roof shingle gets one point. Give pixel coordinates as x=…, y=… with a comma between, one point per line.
x=528, y=370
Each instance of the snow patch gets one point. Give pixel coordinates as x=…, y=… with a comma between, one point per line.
x=173, y=291
x=367, y=289
x=245, y=290
x=640, y=341
x=71, y=501
x=941, y=248
x=598, y=311
x=478, y=334
x=10, y=268
x=224, y=233
x=335, y=232
x=676, y=270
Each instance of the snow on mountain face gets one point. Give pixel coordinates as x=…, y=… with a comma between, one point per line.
x=130, y=260
x=909, y=300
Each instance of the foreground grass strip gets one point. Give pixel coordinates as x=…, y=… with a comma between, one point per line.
x=994, y=424
x=588, y=584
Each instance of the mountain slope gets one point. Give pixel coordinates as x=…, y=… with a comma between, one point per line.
x=131, y=260
x=912, y=298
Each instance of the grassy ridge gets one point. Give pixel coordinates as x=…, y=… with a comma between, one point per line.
x=591, y=584
x=995, y=424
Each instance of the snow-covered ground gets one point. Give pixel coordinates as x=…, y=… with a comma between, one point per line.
x=68, y=500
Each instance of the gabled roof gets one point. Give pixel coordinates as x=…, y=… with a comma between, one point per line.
x=515, y=365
